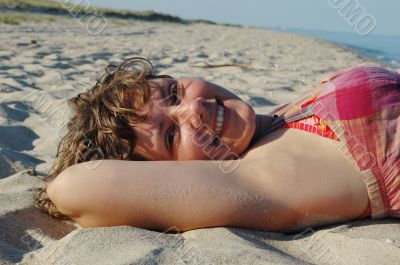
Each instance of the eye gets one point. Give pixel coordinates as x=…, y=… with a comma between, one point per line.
x=175, y=94
x=172, y=137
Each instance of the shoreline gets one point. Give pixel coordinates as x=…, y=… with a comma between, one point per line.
x=56, y=8
x=356, y=44
x=120, y=16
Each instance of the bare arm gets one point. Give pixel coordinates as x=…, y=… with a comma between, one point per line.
x=159, y=195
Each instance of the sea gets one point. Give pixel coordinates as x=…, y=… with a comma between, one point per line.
x=379, y=47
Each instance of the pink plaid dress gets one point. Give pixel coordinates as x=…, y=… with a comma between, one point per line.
x=361, y=106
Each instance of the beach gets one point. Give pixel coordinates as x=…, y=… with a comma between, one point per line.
x=43, y=64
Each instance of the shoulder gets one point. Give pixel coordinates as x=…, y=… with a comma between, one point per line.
x=357, y=92
x=360, y=78
x=363, y=71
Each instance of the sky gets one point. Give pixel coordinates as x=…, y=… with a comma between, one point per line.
x=302, y=14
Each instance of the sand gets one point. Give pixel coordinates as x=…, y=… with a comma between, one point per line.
x=41, y=65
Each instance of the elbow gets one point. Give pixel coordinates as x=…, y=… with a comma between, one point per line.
x=61, y=192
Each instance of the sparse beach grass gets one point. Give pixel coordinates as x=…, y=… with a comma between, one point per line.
x=15, y=18
x=49, y=7
x=20, y=4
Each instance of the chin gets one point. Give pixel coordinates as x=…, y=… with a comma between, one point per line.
x=247, y=130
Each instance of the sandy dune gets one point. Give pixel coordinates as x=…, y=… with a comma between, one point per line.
x=41, y=65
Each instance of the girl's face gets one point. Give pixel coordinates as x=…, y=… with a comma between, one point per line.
x=194, y=120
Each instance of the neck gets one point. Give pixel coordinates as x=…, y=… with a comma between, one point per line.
x=263, y=122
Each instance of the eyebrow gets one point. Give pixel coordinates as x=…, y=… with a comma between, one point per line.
x=161, y=125
x=160, y=133
x=163, y=93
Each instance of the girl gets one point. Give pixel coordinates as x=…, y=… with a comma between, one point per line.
x=179, y=154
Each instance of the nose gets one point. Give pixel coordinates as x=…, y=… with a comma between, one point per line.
x=189, y=113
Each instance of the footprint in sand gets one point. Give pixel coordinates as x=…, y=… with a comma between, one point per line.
x=17, y=138
x=14, y=110
x=13, y=142
x=12, y=162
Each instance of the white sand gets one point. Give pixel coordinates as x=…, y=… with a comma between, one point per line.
x=37, y=78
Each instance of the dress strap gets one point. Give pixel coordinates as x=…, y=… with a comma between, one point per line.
x=281, y=120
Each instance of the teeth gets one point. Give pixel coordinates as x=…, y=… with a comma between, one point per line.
x=220, y=120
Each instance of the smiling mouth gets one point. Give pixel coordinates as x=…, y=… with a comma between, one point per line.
x=219, y=126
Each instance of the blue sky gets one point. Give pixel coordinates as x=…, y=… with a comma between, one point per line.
x=303, y=14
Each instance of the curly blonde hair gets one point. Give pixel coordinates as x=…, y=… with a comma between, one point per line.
x=101, y=127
